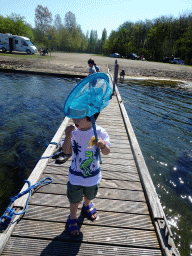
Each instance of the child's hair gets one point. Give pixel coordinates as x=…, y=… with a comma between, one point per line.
x=95, y=116
x=91, y=61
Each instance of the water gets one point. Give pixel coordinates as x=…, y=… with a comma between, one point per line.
x=31, y=110
x=161, y=116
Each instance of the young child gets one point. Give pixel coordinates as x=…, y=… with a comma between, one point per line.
x=84, y=171
x=92, y=64
x=92, y=69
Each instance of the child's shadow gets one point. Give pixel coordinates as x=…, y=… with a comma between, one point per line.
x=65, y=244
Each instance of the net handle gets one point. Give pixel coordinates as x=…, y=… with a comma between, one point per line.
x=95, y=133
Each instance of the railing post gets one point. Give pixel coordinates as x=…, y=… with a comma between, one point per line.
x=115, y=76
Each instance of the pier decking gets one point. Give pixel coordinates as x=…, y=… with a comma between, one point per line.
x=131, y=220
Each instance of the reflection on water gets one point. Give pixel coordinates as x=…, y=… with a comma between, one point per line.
x=31, y=110
x=165, y=138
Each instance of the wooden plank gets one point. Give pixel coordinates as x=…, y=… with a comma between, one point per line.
x=110, y=167
x=116, y=131
x=151, y=193
x=116, y=141
x=109, y=124
x=102, y=235
x=110, y=219
x=120, y=139
x=117, y=160
x=39, y=247
x=108, y=205
x=113, y=174
x=130, y=185
x=119, y=156
x=107, y=193
x=121, y=149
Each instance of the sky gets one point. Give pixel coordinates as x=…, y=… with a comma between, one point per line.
x=99, y=14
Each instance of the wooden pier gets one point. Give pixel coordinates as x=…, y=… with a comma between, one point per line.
x=131, y=219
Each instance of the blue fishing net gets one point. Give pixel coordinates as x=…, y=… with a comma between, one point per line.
x=89, y=96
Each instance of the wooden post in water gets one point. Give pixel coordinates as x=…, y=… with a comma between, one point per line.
x=115, y=76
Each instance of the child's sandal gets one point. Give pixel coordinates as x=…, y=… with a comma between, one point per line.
x=90, y=213
x=72, y=227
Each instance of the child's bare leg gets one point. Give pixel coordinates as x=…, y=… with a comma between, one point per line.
x=73, y=213
x=86, y=203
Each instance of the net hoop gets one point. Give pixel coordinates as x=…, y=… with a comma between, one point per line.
x=89, y=96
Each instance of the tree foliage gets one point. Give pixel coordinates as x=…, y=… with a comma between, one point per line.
x=16, y=25
x=162, y=37
x=58, y=23
x=43, y=20
x=70, y=21
x=165, y=36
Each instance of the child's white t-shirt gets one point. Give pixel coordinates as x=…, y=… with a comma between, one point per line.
x=85, y=166
x=92, y=70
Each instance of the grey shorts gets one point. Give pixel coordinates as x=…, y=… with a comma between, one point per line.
x=75, y=193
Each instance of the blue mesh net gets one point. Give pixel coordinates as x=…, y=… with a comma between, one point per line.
x=89, y=96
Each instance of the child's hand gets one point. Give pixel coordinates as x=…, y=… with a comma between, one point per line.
x=69, y=129
x=100, y=143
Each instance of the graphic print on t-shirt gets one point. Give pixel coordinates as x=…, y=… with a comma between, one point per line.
x=76, y=149
x=86, y=161
x=85, y=165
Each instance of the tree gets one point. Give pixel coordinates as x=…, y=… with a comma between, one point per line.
x=110, y=45
x=58, y=22
x=16, y=25
x=70, y=21
x=43, y=19
x=102, y=41
x=104, y=35
x=92, y=42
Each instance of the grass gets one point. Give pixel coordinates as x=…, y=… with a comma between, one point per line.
x=25, y=56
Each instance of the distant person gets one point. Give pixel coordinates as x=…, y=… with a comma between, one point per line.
x=92, y=69
x=122, y=74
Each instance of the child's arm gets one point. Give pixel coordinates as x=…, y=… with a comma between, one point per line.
x=66, y=147
x=103, y=146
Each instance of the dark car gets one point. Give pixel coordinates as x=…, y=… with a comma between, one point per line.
x=115, y=55
x=132, y=56
x=167, y=59
x=177, y=61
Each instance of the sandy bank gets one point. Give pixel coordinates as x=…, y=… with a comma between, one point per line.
x=76, y=64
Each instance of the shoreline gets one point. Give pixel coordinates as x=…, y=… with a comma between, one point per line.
x=75, y=65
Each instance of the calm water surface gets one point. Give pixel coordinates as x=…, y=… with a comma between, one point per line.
x=161, y=116
x=31, y=110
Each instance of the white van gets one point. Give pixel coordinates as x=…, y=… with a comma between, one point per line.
x=9, y=42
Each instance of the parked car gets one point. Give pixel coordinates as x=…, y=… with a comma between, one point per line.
x=133, y=56
x=167, y=59
x=115, y=55
x=177, y=61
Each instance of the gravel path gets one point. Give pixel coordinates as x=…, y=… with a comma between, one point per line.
x=74, y=63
